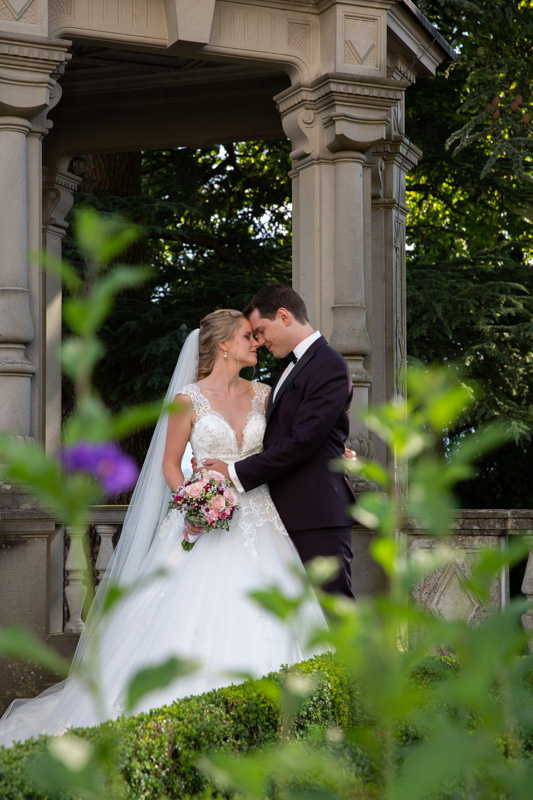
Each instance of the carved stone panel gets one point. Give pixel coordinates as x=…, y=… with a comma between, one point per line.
x=23, y=16
x=361, y=42
x=130, y=20
x=444, y=592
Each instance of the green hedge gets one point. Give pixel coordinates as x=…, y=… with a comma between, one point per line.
x=156, y=751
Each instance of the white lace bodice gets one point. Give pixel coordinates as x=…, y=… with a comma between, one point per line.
x=213, y=437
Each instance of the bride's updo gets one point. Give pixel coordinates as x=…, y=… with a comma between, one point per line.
x=219, y=326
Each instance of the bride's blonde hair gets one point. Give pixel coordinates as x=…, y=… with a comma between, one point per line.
x=219, y=326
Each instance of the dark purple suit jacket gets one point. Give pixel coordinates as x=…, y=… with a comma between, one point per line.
x=307, y=426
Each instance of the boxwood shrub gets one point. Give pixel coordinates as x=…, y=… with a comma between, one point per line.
x=156, y=751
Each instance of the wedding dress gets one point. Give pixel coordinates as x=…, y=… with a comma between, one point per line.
x=198, y=607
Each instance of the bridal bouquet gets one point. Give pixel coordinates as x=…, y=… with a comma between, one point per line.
x=206, y=500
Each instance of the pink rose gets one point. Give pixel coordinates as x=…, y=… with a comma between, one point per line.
x=217, y=476
x=195, y=489
x=230, y=497
x=218, y=503
x=211, y=517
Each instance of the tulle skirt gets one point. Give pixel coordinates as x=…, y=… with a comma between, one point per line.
x=187, y=604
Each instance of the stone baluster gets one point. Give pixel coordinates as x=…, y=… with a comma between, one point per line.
x=77, y=573
x=527, y=590
x=105, y=551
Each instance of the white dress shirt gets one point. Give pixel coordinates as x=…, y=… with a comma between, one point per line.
x=298, y=351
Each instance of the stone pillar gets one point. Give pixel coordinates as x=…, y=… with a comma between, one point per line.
x=390, y=160
x=27, y=92
x=332, y=124
x=59, y=186
x=16, y=326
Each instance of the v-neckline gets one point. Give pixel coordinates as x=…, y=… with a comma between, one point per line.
x=220, y=416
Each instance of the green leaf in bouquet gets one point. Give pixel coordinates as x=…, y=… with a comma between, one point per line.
x=156, y=677
x=100, y=238
x=20, y=644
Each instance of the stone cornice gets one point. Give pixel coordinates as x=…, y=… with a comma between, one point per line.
x=34, y=49
x=345, y=87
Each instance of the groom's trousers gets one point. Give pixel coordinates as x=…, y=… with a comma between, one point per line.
x=328, y=542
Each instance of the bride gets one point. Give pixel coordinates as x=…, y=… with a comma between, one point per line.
x=187, y=604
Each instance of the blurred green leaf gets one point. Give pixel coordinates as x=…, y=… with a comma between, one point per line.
x=375, y=510
x=57, y=266
x=156, y=677
x=80, y=356
x=20, y=644
x=102, y=238
x=273, y=600
x=384, y=551
x=134, y=419
x=92, y=422
x=65, y=495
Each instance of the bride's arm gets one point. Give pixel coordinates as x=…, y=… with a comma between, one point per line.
x=178, y=433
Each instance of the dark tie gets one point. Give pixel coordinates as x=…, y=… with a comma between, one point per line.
x=292, y=357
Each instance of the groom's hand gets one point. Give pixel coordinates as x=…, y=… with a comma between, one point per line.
x=216, y=464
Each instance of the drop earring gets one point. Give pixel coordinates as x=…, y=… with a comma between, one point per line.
x=225, y=355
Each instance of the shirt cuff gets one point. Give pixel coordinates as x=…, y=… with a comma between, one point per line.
x=234, y=479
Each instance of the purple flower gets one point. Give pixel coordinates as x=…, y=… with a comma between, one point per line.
x=115, y=471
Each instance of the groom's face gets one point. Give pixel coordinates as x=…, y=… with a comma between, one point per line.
x=271, y=333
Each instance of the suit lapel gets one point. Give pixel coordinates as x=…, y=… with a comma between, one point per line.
x=300, y=364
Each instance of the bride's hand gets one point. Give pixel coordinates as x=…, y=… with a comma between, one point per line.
x=191, y=530
x=350, y=455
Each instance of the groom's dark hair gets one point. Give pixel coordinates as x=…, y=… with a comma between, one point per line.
x=270, y=298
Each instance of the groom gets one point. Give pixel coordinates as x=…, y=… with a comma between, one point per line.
x=307, y=425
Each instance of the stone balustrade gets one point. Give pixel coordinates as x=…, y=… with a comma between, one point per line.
x=443, y=592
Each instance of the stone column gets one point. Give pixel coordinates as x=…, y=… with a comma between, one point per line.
x=16, y=326
x=27, y=91
x=59, y=186
x=333, y=123
x=391, y=160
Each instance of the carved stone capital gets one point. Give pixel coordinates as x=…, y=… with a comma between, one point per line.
x=363, y=447
x=354, y=132
x=335, y=113
x=58, y=197
x=27, y=66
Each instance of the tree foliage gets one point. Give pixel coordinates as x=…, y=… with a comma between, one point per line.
x=218, y=227
x=218, y=224
x=469, y=274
